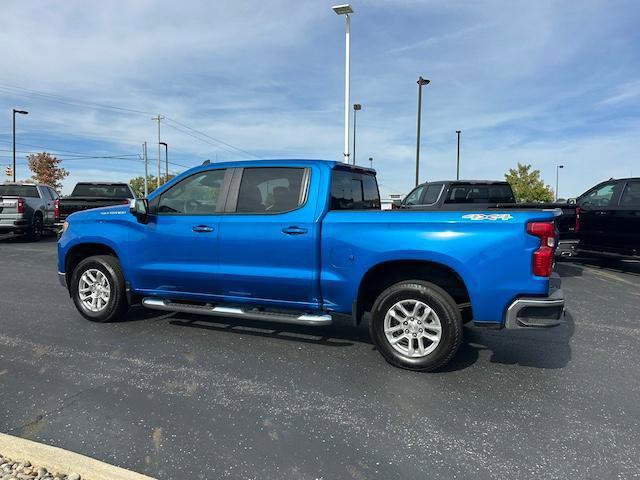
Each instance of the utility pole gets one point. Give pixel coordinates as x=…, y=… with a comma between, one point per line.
x=421, y=82
x=146, y=169
x=158, y=118
x=458, y=162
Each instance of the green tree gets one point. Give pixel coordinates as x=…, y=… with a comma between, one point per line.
x=137, y=183
x=527, y=184
x=46, y=169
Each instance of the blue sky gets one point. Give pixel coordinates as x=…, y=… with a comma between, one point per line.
x=543, y=82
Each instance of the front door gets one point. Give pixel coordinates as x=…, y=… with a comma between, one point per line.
x=268, y=239
x=177, y=250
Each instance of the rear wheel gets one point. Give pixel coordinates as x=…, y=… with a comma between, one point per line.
x=35, y=231
x=98, y=289
x=416, y=325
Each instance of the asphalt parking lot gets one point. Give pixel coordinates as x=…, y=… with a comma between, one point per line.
x=177, y=396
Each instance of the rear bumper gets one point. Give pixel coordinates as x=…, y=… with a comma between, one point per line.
x=9, y=224
x=537, y=312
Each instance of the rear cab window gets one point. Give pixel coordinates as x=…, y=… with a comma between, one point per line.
x=354, y=190
x=109, y=191
x=631, y=195
x=26, y=191
x=475, y=193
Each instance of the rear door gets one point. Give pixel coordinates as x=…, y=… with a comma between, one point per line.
x=627, y=219
x=268, y=238
x=597, y=208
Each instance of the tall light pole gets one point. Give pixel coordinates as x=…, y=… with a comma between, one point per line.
x=356, y=107
x=558, y=167
x=458, y=161
x=346, y=10
x=21, y=112
x=166, y=160
x=371, y=161
x=421, y=83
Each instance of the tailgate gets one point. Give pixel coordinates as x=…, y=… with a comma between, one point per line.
x=71, y=205
x=8, y=207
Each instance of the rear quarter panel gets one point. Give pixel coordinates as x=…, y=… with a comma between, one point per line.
x=493, y=257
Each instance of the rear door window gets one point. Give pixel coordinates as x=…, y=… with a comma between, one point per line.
x=352, y=190
x=270, y=190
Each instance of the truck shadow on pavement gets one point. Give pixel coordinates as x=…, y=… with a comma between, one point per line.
x=544, y=349
x=336, y=335
x=572, y=266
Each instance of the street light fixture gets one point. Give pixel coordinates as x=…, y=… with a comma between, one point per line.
x=21, y=112
x=421, y=83
x=346, y=10
x=558, y=167
x=166, y=160
x=356, y=107
x=458, y=158
x=371, y=161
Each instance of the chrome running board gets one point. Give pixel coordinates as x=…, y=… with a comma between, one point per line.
x=237, y=312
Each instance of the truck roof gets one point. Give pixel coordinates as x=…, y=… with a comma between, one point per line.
x=284, y=163
x=472, y=182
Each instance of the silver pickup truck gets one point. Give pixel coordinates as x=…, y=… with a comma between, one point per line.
x=28, y=208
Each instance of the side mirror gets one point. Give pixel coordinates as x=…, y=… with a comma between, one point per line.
x=140, y=208
x=571, y=201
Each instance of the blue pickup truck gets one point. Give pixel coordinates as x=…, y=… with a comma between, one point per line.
x=304, y=242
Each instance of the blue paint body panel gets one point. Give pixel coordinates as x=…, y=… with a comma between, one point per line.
x=247, y=259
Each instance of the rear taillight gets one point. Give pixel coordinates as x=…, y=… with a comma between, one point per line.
x=21, y=205
x=577, y=228
x=126, y=202
x=56, y=209
x=543, y=256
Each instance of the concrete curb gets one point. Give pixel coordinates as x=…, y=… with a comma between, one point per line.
x=56, y=459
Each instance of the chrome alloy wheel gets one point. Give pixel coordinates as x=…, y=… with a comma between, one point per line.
x=94, y=290
x=412, y=328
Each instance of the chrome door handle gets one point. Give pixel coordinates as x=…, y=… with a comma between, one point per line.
x=202, y=228
x=293, y=230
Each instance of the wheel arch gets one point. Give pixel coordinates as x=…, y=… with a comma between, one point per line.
x=382, y=275
x=79, y=252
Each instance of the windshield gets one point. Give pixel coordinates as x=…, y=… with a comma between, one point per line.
x=29, y=191
x=110, y=191
x=473, y=193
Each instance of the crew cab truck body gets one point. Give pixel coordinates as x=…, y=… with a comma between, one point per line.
x=28, y=208
x=303, y=241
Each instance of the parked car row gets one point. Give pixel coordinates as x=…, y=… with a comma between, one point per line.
x=605, y=220
x=32, y=209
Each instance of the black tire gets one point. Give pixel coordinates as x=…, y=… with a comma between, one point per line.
x=35, y=231
x=117, y=304
x=444, y=307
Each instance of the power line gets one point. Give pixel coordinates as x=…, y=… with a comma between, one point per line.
x=13, y=89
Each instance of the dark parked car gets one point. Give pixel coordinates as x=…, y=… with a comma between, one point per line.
x=28, y=208
x=608, y=219
x=87, y=195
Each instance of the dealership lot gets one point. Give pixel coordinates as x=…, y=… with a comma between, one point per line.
x=179, y=396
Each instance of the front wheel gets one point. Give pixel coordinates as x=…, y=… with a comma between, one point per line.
x=416, y=325
x=98, y=289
